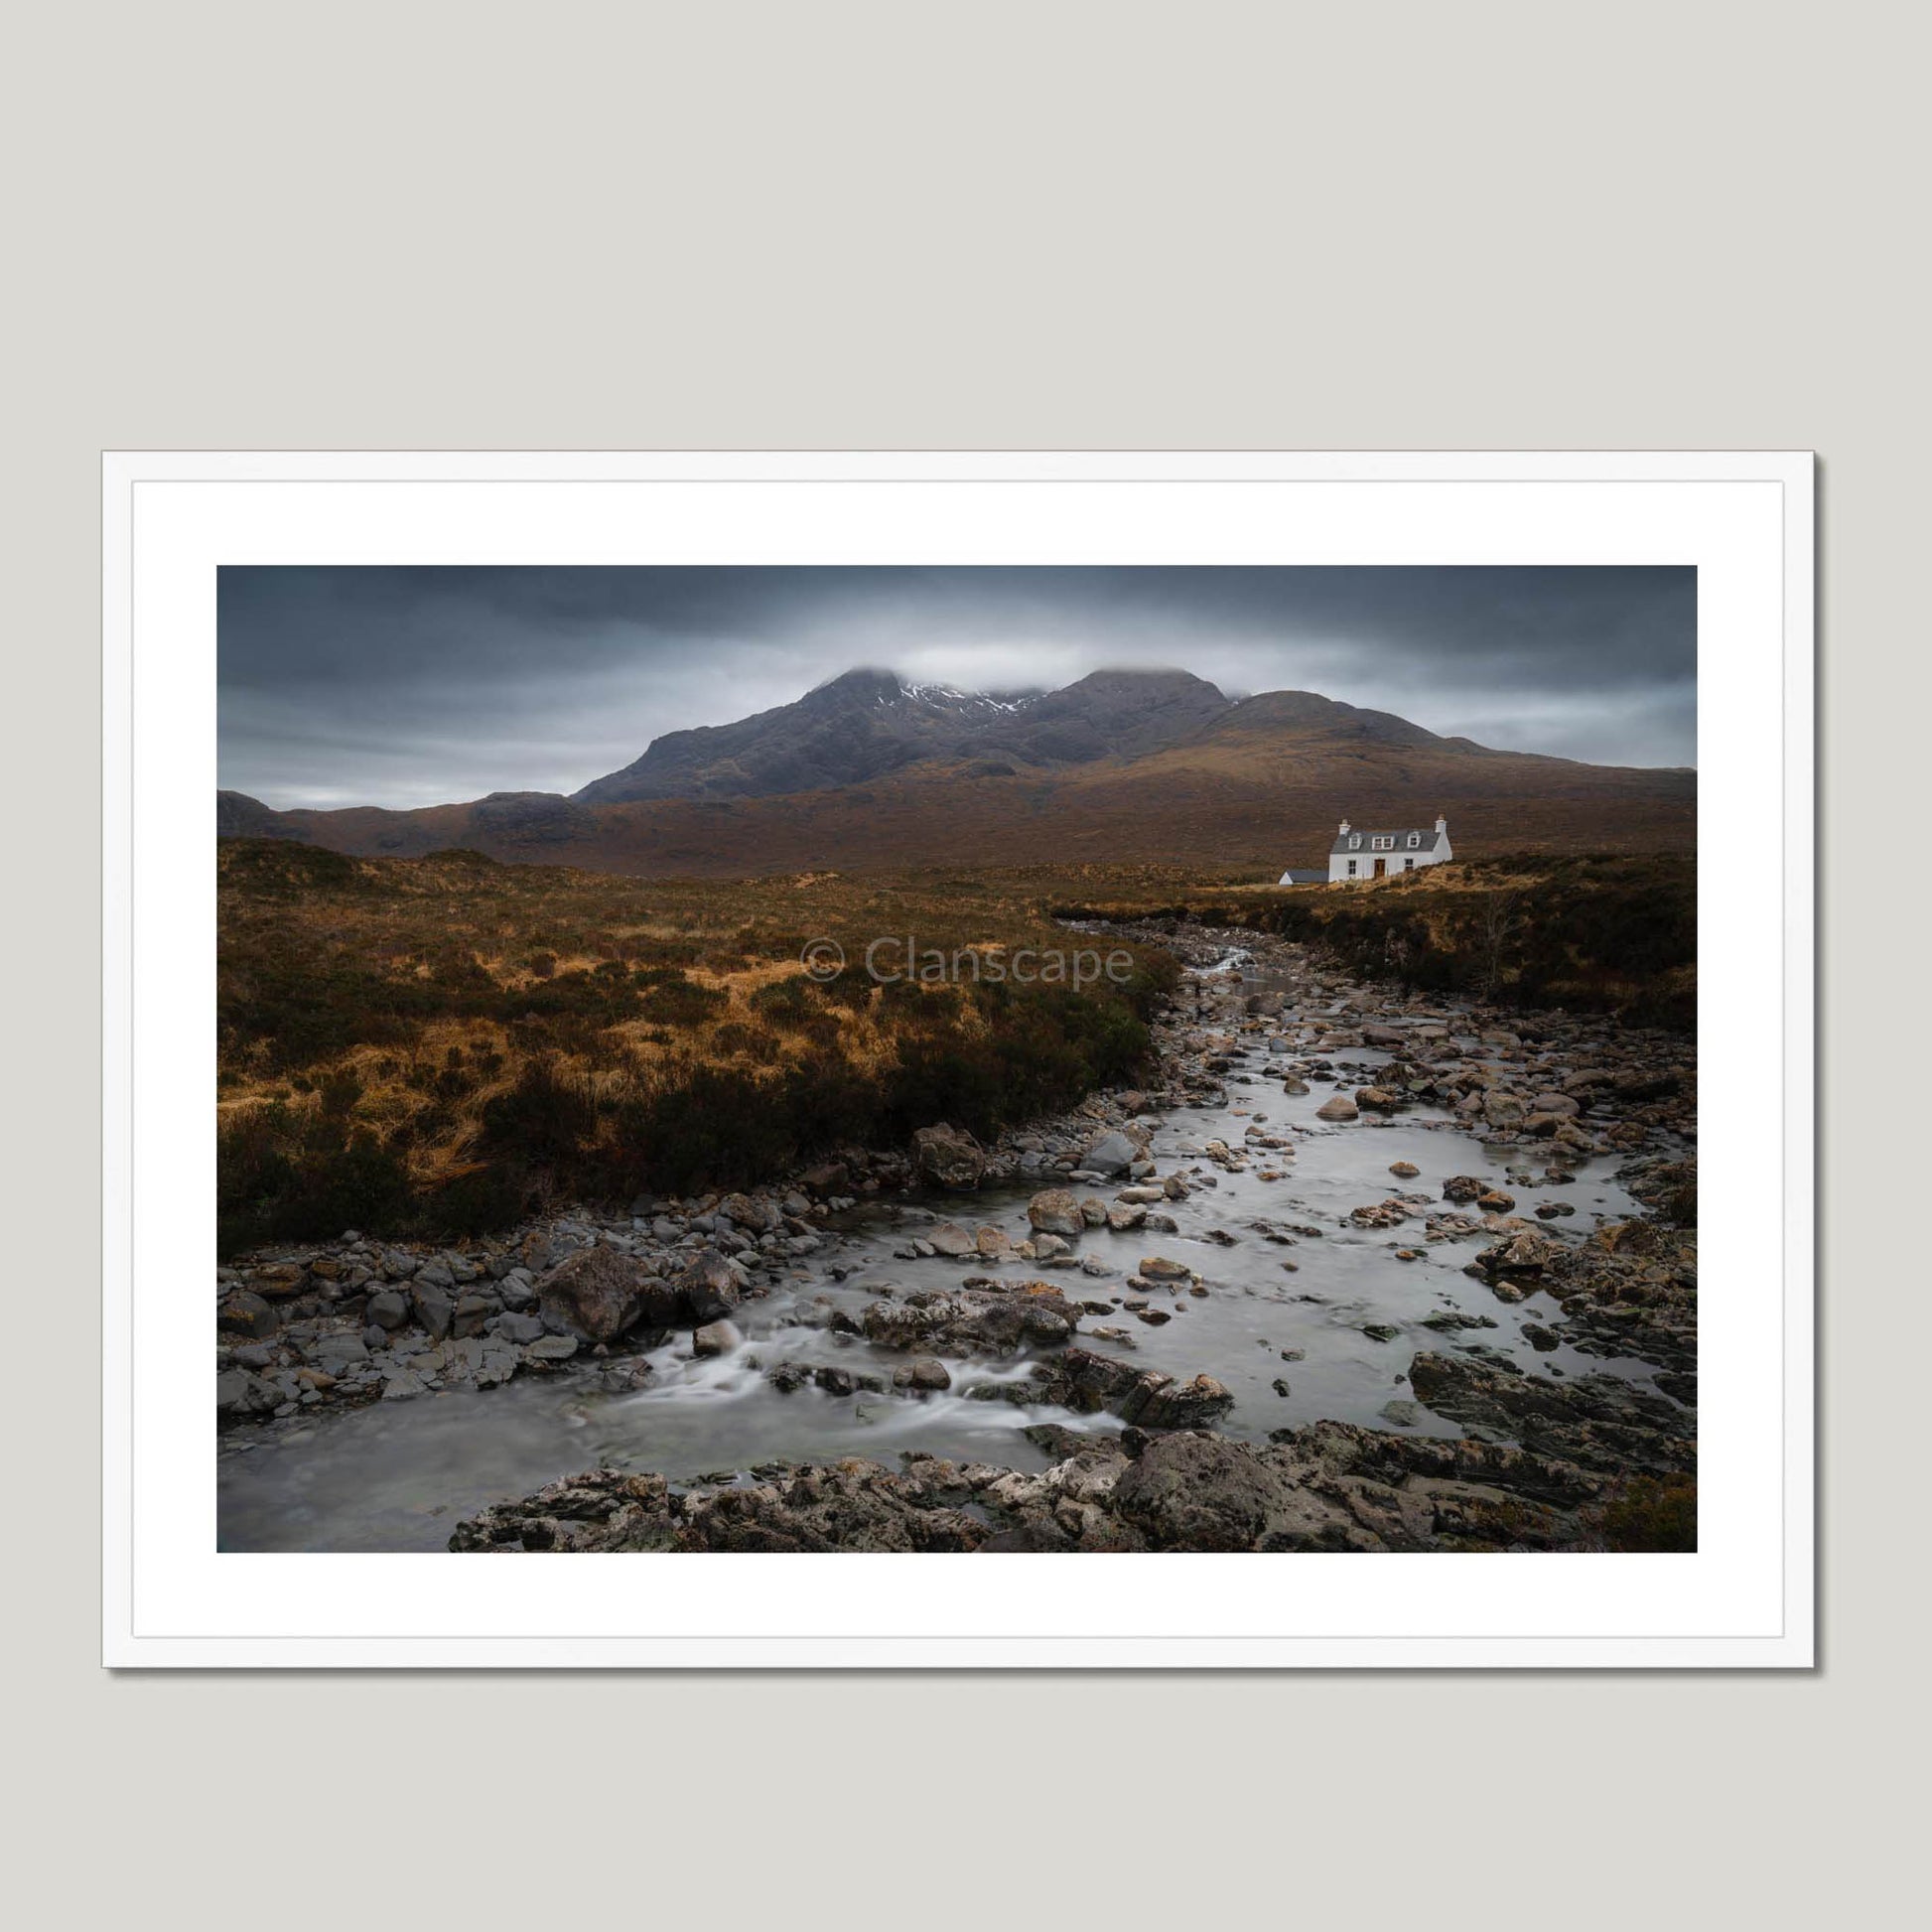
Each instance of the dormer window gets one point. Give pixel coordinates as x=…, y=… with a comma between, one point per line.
x=1384, y=844
x=1354, y=844
x=1415, y=838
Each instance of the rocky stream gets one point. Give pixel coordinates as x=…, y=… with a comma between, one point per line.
x=1355, y=1270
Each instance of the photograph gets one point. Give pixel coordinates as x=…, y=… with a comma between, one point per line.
x=957, y=1059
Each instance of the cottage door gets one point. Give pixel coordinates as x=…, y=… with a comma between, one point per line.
x=1381, y=868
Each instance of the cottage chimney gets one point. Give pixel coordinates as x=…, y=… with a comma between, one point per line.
x=1441, y=825
x=1344, y=826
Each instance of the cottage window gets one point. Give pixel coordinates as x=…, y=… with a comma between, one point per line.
x=1384, y=844
x=1354, y=844
x=1351, y=868
x=1415, y=838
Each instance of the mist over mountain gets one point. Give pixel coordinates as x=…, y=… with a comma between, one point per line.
x=868, y=723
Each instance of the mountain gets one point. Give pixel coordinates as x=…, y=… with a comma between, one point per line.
x=867, y=724
x=1147, y=766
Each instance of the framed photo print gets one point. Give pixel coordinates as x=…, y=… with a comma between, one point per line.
x=971, y=1059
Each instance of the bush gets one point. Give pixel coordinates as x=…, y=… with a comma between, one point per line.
x=1653, y=1514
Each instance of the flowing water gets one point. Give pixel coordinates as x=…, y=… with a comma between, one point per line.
x=399, y=1475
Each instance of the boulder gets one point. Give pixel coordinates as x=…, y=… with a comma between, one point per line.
x=389, y=1310
x=715, y=1338
x=705, y=1292
x=432, y=1306
x=1109, y=1153
x=1339, y=1107
x=950, y=1239
x=278, y=1279
x=596, y=1292
x=243, y=1312
x=949, y=1156
x=1157, y=1401
x=993, y=1321
x=1528, y=1253
x=1158, y=1268
x=1055, y=1212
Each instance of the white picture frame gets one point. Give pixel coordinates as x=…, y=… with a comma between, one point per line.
x=1745, y=520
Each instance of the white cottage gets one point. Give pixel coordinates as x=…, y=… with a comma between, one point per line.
x=1372, y=855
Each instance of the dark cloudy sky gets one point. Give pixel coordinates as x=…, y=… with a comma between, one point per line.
x=422, y=686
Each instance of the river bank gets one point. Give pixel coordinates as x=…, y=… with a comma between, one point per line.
x=1449, y=1244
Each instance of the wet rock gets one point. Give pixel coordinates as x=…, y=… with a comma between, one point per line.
x=981, y=1320
x=951, y=1240
x=1056, y=1211
x=1528, y=1253
x=1341, y=1107
x=1158, y=1268
x=949, y=1158
x=1109, y=1154
x=1465, y=1188
x=1157, y=1401
x=552, y=1349
x=1596, y=1421
x=705, y=1290
x=596, y=1293
x=1201, y=1492
x=715, y=1338
x=1404, y=1169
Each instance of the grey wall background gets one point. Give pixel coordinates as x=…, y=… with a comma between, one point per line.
x=1070, y=226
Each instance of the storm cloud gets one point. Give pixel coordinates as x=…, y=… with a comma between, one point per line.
x=405, y=687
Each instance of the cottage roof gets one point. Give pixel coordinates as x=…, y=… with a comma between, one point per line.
x=1362, y=838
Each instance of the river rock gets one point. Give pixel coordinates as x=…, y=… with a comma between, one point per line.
x=992, y=1321
x=242, y=1392
x=951, y=1240
x=704, y=1291
x=1158, y=1268
x=241, y=1311
x=596, y=1292
x=715, y=1338
x=1528, y=1253
x=1337, y=1107
x=389, y=1310
x=949, y=1156
x=1111, y=1153
x=1157, y=1401
x=1055, y=1212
